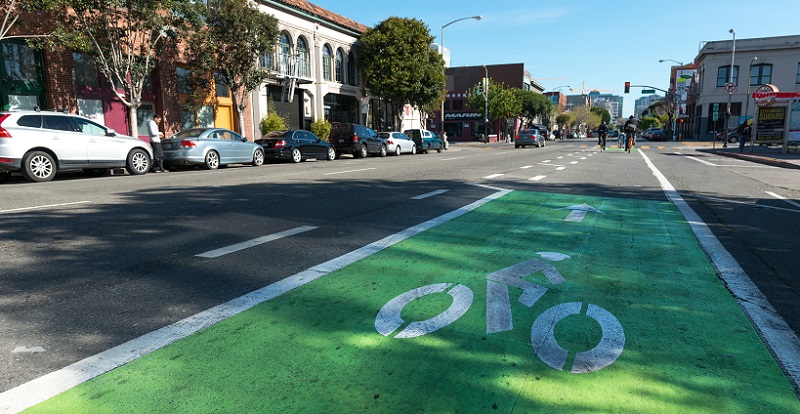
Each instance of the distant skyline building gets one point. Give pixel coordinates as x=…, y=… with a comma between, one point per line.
x=644, y=102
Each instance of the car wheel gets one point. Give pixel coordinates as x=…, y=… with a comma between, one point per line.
x=382, y=152
x=38, y=166
x=397, y=151
x=414, y=149
x=95, y=172
x=338, y=154
x=212, y=161
x=440, y=149
x=138, y=162
x=362, y=152
x=516, y=146
x=4, y=176
x=297, y=156
x=258, y=158
x=427, y=148
x=332, y=155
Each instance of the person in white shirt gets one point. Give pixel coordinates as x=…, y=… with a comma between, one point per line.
x=155, y=142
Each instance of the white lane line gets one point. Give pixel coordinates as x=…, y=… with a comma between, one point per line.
x=574, y=162
x=561, y=168
x=780, y=197
x=454, y=158
x=254, y=242
x=741, y=202
x=583, y=158
x=489, y=177
x=537, y=178
x=431, y=194
x=43, y=207
x=526, y=167
x=550, y=165
x=559, y=157
x=547, y=160
x=773, y=330
x=54, y=383
x=349, y=171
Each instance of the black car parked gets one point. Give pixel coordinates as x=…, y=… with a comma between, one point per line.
x=295, y=145
x=354, y=139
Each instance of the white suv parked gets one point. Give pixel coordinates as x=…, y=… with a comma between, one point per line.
x=37, y=144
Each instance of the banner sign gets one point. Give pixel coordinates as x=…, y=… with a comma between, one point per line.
x=771, y=122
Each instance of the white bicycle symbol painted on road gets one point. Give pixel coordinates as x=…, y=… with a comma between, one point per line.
x=498, y=314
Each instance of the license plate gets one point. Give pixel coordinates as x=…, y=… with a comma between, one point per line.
x=341, y=141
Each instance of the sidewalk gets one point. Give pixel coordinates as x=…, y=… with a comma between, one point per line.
x=762, y=155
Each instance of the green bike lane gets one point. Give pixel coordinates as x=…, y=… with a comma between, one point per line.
x=664, y=334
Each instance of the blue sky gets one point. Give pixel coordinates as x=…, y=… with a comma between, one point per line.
x=599, y=44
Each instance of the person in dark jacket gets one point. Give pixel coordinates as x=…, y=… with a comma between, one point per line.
x=602, y=132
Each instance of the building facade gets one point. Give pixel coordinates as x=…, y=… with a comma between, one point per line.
x=756, y=62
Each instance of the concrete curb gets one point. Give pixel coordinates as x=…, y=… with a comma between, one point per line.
x=759, y=159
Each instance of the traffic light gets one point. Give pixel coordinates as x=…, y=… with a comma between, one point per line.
x=627, y=87
x=479, y=89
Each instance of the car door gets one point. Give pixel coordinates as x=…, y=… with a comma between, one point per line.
x=314, y=146
x=103, y=149
x=241, y=151
x=217, y=141
x=69, y=145
x=403, y=141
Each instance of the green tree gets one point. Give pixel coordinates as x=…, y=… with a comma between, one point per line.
x=603, y=113
x=126, y=39
x=502, y=101
x=399, y=66
x=229, y=44
x=534, y=105
x=649, y=122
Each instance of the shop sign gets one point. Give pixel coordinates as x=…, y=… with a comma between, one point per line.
x=771, y=122
x=460, y=116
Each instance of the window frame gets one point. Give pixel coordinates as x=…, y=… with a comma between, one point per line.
x=735, y=78
x=760, y=74
x=327, y=59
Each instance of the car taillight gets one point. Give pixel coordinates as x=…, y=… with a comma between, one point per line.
x=187, y=144
x=3, y=132
x=355, y=137
x=390, y=142
x=280, y=143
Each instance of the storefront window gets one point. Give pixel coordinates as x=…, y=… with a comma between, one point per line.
x=20, y=62
x=22, y=101
x=92, y=109
x=84, y=70
x=184, y=81
x=144, y=114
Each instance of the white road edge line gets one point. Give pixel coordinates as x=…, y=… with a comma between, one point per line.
x=213, y=254
x=349, y=171
x=43, y=207
x=54, y=383
x=537, y=178
x=773, y=330
x=780, y=197
x=431, y=194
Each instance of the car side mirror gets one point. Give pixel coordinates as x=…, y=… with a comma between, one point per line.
x=111, y=133
x=244, y=139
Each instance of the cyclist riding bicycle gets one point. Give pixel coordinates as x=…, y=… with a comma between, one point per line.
x=631, y=127
x=602, y=132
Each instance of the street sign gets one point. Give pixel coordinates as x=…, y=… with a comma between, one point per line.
x=730, y=87
x=648, y=91
x=715, y=116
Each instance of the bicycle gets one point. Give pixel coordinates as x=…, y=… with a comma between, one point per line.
x=629, y=143
x=498, y=314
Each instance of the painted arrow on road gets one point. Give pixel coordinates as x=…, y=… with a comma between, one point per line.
x=579, y=212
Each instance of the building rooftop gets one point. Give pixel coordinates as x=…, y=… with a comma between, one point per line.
x=324, y=14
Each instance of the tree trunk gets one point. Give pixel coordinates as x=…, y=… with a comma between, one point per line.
x=134, y=121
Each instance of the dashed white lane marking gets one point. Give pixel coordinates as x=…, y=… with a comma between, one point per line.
x=780, y=197
x=526, y=167
x=43, y=207
x=547, y=160
x=538, y=178
x=489, y=177
x=550, y=165
x=574, y=162
x=561, y=168
x=254, y=242
x=743, y=165
x=349, y=171
x=431, y=194
x=773, y=330
x=583, y=158
x=54, y=383
x=454, y=158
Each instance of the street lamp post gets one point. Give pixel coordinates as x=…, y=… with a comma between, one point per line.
x=747, y=98
x=441, y=40
x=675, y=99
x=730, y=80
x=486, y=104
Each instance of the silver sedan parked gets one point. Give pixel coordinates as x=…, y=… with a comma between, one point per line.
x=397, y=143
x=210, y=147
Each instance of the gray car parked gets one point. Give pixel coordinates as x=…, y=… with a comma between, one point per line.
x=210, y=147
x=38, y=144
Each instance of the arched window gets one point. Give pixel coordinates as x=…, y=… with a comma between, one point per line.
x=351, y=69
x=326, y=63
x=339, y=66
x=302, y=58
x=285, y=50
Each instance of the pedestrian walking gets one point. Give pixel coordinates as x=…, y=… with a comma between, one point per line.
x=155, y=142
x=744, y=134
x=444, y=140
